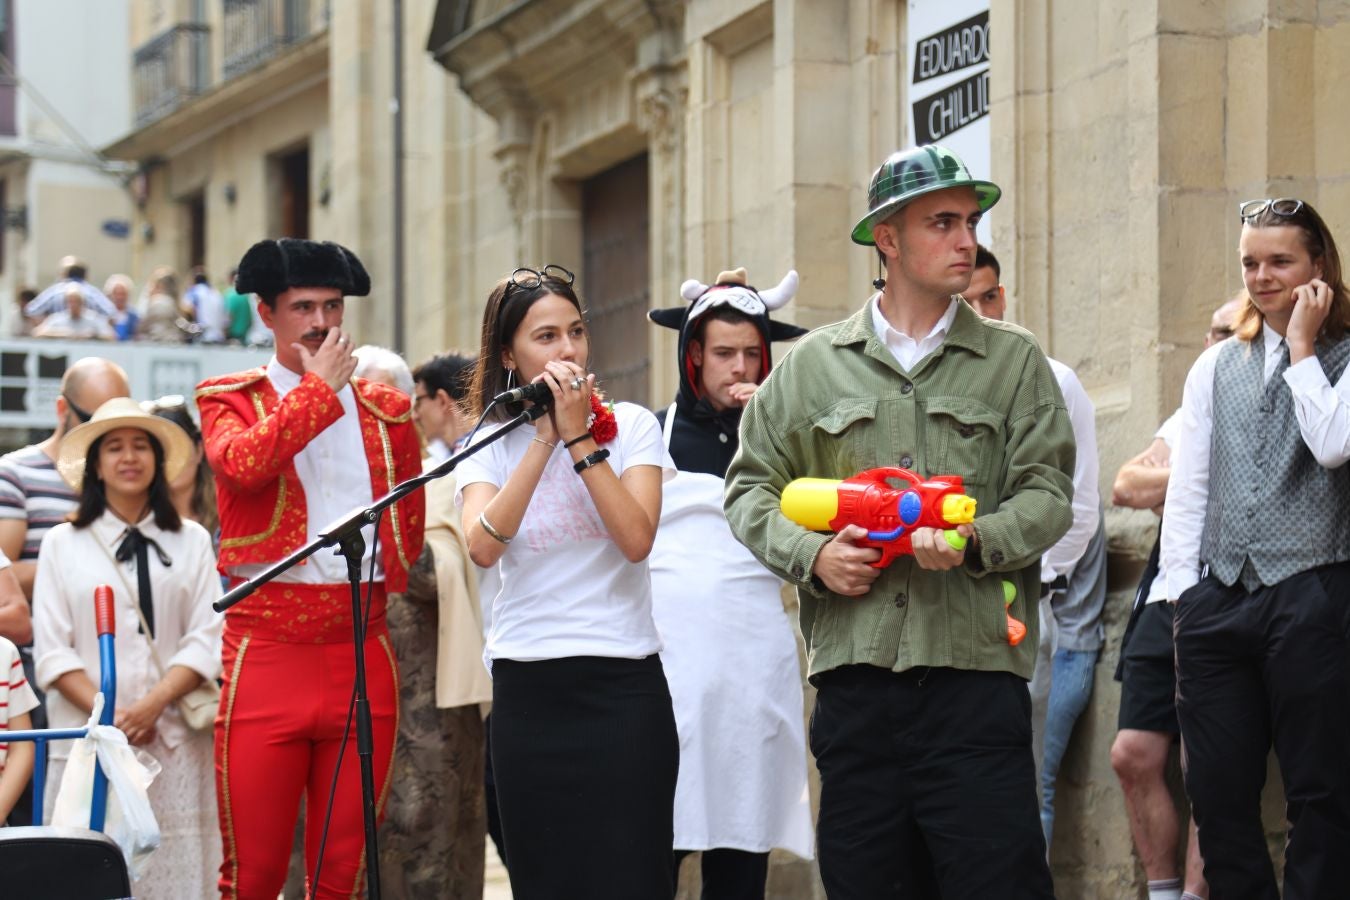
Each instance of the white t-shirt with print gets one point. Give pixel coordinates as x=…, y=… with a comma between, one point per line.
x=567, y=589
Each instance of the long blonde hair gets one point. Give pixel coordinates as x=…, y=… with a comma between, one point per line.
x=1321, y=246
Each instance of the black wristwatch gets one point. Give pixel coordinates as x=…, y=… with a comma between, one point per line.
x=593, y=459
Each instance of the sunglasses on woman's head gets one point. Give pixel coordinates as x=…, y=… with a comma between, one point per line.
x=529, y=279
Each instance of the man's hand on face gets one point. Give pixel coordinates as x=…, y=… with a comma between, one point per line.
x=844, y=568
x=1312, y=302
x=334, y=361
x=742, y=392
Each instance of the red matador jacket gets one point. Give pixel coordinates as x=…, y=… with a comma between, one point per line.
x=252, y=437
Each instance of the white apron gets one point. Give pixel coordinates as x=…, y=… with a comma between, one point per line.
x=731, y=660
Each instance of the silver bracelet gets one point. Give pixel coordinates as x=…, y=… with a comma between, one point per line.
x=492, y=532
x=538, y=440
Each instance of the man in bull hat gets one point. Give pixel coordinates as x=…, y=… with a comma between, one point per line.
x=729, y=653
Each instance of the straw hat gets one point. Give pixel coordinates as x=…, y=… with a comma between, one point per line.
x=122, y=412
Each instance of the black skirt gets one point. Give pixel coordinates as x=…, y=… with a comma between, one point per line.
x=585, y=757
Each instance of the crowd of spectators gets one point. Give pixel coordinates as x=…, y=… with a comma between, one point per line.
x=73, y=308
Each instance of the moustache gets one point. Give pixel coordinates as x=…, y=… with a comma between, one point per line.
x=315, y=335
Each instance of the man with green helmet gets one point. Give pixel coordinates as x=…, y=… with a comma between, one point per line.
x=922, y=724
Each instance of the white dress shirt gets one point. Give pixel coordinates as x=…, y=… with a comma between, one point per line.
x=907, y=351
x=1063, y=557
x=1323, y=411
x=335, y=475
x=1323, y=422
x=1170, y=432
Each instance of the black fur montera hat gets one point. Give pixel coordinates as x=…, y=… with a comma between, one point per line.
x=270, y=267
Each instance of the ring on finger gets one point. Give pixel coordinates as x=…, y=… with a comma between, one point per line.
x=576, y=383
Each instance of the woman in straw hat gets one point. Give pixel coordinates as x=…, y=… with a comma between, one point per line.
x=126, y=533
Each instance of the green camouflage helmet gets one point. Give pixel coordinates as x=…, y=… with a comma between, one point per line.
x=911, y=173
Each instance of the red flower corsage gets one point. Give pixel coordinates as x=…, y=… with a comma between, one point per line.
x=602, y=424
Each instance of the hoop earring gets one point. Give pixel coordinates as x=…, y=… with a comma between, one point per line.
x=510, y=379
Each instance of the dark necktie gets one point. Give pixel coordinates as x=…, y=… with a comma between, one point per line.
x=139, y=545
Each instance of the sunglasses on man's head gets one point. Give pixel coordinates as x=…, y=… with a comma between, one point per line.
x=1283, y=207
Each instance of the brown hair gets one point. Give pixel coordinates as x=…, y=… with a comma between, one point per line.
x=506, y=308
x=1321, y=246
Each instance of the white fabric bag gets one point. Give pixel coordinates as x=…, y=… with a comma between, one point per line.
x=130, y=821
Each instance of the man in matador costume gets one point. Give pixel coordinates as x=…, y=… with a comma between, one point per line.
x=296, y=445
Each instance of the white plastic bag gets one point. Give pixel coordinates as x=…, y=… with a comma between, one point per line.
x=130, y=821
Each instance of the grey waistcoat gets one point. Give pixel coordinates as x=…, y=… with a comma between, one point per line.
x=1273, y=509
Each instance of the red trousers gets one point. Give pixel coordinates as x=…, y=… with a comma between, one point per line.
x=284, y=705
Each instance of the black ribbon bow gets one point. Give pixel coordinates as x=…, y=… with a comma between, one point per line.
x=137, y=544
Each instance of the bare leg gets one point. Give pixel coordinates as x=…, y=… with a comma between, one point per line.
x=1195, y=865
x=1140, y=761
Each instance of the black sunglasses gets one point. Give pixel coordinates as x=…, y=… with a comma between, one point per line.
x=529, y=279
x=75, y=408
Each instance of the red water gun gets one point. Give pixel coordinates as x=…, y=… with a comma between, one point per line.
x=890, y=514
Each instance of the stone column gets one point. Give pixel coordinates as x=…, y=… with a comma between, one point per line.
x=662, y=99
x=359, y=125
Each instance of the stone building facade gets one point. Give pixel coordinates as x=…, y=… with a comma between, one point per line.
x=58, y=197
x=642, y=142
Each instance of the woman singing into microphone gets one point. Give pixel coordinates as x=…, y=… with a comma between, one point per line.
x=584, y=748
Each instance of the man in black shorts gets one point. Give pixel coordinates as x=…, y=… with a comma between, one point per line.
x=1148, y=713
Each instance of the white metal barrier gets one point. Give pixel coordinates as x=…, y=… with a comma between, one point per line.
x=31, y=370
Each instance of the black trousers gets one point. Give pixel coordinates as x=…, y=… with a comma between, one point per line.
x=728, y=874
x=585, y=757
x=1252, y=668
x=928, y=787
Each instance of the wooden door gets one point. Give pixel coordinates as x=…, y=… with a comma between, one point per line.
x=615, y=278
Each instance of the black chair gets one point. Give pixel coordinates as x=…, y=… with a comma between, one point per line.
x=50, y=863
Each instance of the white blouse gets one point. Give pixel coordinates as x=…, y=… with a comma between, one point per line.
x=187, y=630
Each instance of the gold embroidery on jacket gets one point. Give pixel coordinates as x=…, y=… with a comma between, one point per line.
x=225, y=765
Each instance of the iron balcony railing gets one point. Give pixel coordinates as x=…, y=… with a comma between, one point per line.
x=169, y=69
x=257, y=30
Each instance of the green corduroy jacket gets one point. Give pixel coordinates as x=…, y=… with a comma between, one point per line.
x=984, y=406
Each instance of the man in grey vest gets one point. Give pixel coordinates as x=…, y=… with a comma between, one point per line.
x=1256, y=555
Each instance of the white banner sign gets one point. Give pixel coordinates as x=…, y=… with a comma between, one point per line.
x=948, y=43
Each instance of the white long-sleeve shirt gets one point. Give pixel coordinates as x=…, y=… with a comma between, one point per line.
x=1323, y=422
x=1063, y=557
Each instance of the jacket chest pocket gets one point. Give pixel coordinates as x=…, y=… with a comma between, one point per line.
x=846, y=433
x=964, y=437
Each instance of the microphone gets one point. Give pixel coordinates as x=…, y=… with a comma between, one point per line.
x=536, y=392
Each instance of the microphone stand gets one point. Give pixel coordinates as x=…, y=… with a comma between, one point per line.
x=346, y=535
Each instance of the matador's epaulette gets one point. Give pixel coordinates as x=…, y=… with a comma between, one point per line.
x=384, y=402
x=232, y=382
